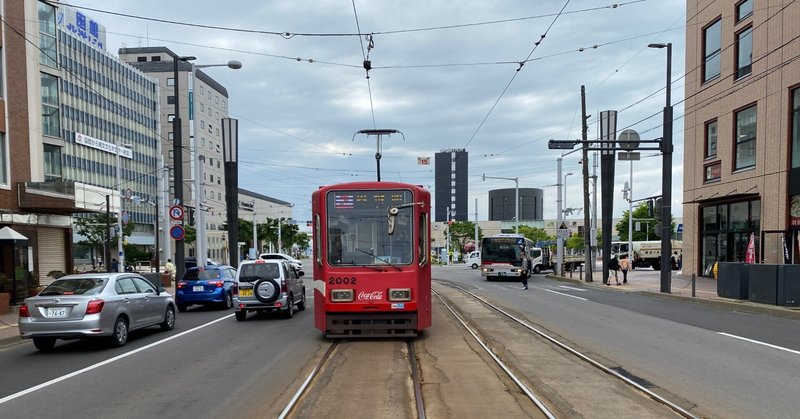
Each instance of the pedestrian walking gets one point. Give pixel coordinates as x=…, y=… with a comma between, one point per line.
x=624, y=266
x=525, y=265
x=613, y=264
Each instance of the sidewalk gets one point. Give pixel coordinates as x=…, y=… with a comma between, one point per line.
x=647, y=281
x=9, y=331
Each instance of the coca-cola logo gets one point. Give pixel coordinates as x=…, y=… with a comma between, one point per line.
x=370, y=296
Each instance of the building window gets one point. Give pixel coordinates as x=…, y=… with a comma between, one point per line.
x=155, y=58
x=52, y=163
x=796, y=128
x=170, y=81
x=50, y=115
x=170, y=100
x=711, y=139
x=711, y=50
x=48, y=54
x=744, y=10
x=1, y=71
x=712, y=172
x=744, y=52
x=170, y=117
x=745, y=138
x=141, y=59
x=170, y=136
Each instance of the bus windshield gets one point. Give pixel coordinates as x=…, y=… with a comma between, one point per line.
x=358, y=228
x=502, y=249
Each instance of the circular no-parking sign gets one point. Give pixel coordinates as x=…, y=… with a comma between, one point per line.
x=177, y=232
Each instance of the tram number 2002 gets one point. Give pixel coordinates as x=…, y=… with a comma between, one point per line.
x=339, y=281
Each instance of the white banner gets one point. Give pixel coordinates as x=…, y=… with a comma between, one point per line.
x=112, y=148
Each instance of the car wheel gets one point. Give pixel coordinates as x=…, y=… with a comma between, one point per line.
x=120, y=336
x=240, y=315
x=181, y=307
x=44, y=344
x=267, y=290
x=169, y=319
x=301, y=306
x=474, y=266
x=228, y=303
x=289, y=313
x=537, y=269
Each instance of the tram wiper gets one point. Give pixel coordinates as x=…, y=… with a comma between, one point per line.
x=380, y=259
x=393, y=211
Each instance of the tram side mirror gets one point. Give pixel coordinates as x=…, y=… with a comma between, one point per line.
x=393, y=211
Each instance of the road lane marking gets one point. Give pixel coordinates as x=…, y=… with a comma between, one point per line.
x=567, y=295
x=572, y=288
x=760, y=343
x=107, y=361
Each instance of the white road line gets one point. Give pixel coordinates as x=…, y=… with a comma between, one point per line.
x=566, y=295
x=572, y=288
x=107, y=361
x=760, y=343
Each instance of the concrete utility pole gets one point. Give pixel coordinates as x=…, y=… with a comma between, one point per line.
x=587, y=241
x=559, y=218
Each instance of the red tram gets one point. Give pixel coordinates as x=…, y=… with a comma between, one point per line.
x=372, y=259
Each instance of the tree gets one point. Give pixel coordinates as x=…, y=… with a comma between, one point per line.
x=93, y=228
x=574, y=242
x=535, y=234
x=190, y=236
x=462, y=232
x=648, y=224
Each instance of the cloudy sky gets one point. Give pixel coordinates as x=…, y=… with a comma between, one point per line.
x=445, y=73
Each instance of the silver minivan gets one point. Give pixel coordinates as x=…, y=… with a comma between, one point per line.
x=268, y=285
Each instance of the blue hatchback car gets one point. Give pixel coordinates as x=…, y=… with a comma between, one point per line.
x=212, y=285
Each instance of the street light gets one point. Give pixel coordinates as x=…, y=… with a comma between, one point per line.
x=565, y=192
x=666, y=178
x=199, y=193
x=516, y=197
x=120, y=250
x=177, y=159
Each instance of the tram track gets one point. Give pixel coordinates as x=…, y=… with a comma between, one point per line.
x=318, y=392
x=487, y=340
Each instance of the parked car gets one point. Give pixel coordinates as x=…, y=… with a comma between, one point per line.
x=282, y=256
x=94, y=304
x=268, y=285
x=212, y=285
x=473, y=259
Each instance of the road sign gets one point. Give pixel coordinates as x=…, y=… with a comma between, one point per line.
x=679, y=228
x=177, y=232
x=176, y=212
x=562, y=233
x=629, y=139
x=125, y=217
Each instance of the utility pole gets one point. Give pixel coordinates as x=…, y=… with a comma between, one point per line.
x=559, y=218
x=587, y=241
x=476, y=223
x=107, y=249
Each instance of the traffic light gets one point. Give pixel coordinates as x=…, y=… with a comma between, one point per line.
x=650, y=208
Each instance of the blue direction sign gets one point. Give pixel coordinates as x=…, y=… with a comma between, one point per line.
x=177, y=232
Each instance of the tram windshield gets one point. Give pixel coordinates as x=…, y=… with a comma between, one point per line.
x=358, y=228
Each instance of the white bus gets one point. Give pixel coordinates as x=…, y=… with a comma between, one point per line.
x=500, y=255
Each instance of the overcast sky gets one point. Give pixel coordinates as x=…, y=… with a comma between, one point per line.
x=438, y=68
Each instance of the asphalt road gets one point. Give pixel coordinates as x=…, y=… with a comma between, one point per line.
x=676, y=345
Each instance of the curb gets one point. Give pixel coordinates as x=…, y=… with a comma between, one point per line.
x=11, y=340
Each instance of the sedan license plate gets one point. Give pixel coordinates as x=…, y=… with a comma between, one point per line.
x=246, y=292
x=56, y=312
x=197, y=288
x=501, y=274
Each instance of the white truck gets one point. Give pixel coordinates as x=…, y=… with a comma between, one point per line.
x=646, y=253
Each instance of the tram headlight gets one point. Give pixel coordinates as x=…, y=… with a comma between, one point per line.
x=341, y=296
x=399, y=294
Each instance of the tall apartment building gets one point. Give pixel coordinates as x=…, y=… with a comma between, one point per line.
x=203, y=104
x=742, y=132
x=451, y=187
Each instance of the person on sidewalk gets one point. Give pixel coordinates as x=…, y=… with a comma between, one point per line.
x=170, y=269
x=613, y=265
x=526, y=269
x=624, y=266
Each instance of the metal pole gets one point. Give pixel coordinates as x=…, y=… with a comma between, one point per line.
x=630, y=218
x=559, y=220
x=255, y=230
x=107, y=247
x=476, y=223
x=516, y=205
x=585, y=139
x=200, y=217
x=447, y=244
x=155, y=237
x=120, y=251
x=280, y=243
x=177, y=166
x=666, y=184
